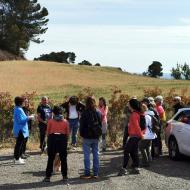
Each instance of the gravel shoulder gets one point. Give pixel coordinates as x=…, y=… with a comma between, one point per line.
x=162, y=174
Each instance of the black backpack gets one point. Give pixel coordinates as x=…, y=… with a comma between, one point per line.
x=142, y=122
x=94, y=126
x=155, y=124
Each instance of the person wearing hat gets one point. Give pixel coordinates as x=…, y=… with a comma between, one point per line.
x=177, y=104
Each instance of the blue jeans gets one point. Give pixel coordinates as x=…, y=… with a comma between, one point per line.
x=91, y=145
x=74, y=125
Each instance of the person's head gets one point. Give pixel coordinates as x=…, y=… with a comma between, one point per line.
x=158, y=100
x=144, y=107
x=146, y=101
x=73, y=100
x=90, y=103
x=19, y=101
x=102, y=102
x=177, y=99
x=57, y=110
x=44, y=100
x=26, y=102
x=134, y=105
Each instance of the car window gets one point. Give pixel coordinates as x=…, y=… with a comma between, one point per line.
x=183, y=117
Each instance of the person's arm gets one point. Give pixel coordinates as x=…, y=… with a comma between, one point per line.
x=67, y=128
x=82, y=124
x=40, y=119
x=21, y=117
x=48, y=127
x=135, y=121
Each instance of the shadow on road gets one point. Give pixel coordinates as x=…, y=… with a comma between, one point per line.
x=165, y=166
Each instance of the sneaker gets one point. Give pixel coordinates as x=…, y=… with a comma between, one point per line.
x=20, y=161
x=135, y=171
x=23, y=156
x=46, y=179
x=85, y=176
x=122, y=172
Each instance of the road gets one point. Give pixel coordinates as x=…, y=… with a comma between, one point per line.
x=162, y=174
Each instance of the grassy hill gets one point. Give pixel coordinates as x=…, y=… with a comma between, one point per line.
x=57, y=80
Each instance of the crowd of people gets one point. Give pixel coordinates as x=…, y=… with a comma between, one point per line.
x=142, y=132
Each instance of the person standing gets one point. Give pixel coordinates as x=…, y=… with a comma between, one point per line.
x=90, y=131
x=149, y=135
x=57, y=132
x=162, y=115
x=27, y=112
x=44, y=112
x=135, y=135
x=73, y=109
x=103, y=108
x=20, y=128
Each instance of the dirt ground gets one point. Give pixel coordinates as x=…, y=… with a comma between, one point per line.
x=162, y=174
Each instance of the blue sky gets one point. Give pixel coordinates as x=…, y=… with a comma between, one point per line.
x=123, y=33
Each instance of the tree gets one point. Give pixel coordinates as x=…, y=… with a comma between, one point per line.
x=181, y=72
x=97, y=64
x=185, y=71
x=61, y=57
x=155, y=69
x=176, y=72
x=85, y=62
x=21, y=21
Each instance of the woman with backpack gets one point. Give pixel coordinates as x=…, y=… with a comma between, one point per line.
x=135, y=135
x=149, y=135
x=90, y=131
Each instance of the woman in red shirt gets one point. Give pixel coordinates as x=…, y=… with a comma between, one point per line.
x=103, y=108
x=57, y=132
x=135, y=134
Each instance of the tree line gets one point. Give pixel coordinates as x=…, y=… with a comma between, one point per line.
x=180, y=72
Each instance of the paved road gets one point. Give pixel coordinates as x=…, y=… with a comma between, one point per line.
x=163, y=174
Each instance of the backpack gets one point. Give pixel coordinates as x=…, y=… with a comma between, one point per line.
x=142, y=122
x=155, y=124
x=94, y=126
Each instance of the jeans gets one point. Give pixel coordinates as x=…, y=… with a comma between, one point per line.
x=74, y=125
x=91, y=145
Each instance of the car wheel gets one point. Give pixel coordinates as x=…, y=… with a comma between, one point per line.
x=174, y=153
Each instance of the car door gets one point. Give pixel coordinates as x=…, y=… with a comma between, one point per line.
x=185, y=133
x=181, y=131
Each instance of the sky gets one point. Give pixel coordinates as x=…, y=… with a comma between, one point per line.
x=130, y=34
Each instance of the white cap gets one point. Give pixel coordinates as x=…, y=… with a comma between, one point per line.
x=159, y=99
x=177, y=98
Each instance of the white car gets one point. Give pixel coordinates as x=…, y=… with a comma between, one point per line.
x=177, y=134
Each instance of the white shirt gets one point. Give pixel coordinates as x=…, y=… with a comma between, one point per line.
x=73, y=114
x=148, y=132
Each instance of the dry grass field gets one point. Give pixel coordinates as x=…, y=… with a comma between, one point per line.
x=57, y=80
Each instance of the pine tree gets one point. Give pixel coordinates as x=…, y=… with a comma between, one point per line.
x=21, y=21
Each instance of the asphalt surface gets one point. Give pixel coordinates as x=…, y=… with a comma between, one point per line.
x=162, y=174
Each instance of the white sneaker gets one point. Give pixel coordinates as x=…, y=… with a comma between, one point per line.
x=20, y=161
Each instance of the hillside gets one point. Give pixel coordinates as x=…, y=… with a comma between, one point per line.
x=57, y=80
